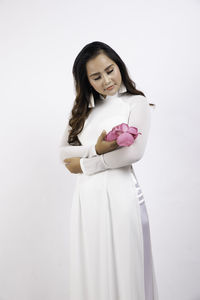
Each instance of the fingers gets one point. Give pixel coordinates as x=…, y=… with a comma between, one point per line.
x=103, y=134
x=67, y=160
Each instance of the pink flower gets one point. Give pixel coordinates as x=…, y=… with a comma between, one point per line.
x=123, y=134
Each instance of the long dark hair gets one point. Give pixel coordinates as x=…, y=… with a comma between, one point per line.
x=80, y=109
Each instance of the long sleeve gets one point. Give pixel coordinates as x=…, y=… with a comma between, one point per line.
x=66, y=150
x=139, y=117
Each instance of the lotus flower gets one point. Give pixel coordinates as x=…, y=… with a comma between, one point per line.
x=123, y=134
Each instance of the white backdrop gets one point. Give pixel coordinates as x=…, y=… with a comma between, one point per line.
x=159, y=42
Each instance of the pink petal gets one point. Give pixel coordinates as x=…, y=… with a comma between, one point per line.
x=119, y=130
x=123, y=127
x=111, y=136
x=133, y=130
x=125, y=139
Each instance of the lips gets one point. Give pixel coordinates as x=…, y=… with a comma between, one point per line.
x=109, y=87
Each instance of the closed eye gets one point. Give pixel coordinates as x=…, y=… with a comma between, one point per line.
x=100, y=77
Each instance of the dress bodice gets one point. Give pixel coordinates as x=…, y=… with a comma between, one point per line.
x=107, y=113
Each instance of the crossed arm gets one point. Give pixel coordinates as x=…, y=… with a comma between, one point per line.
x=68, y=151
x=92, y=163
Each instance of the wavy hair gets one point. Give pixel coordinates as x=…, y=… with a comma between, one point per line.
x=80, y=109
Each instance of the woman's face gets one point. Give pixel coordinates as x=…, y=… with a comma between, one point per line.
x=103, y=73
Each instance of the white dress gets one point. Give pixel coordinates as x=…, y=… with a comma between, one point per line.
x=110, y=245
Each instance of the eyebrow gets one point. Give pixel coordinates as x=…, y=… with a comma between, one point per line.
x=104, y=70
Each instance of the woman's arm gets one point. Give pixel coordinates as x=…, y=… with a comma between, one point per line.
x=67, y=151
x=140, y=118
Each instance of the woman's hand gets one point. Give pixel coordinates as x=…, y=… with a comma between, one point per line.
x=102, y=146
x=73, y=164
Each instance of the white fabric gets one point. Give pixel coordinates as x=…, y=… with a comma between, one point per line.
x=139, y=116
x=67, y=150
x=107, y=245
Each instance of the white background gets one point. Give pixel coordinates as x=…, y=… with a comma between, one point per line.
x=159, y=43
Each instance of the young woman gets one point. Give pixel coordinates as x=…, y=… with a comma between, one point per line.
x=110, y=245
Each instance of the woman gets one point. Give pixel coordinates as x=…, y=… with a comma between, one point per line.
x=110, y=247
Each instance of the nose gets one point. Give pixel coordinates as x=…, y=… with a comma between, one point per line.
x=106, y=80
